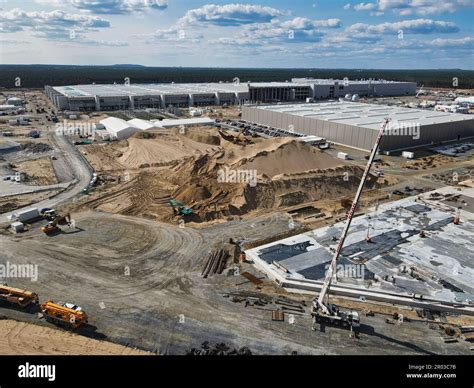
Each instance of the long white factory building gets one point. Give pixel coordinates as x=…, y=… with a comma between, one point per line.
x=138, y=96
x=356, y=124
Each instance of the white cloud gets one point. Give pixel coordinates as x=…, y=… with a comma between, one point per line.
x=300, y=23
x=410, y=7
x=467, y=42
x=55, y=25
x=365, y=6
x=52, y=23
x=110, y=6
x=416, y=26
x=230, y=14
x=173, y=34
x=296, y=30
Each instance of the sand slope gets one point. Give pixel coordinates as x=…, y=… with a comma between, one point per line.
x=19, y=338
x=289, y=158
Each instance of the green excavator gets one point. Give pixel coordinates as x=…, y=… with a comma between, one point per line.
x=179, y=208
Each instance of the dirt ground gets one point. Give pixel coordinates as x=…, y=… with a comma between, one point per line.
x=38, y=172
x=20, y=338
x=140, y=283
x=13, y=202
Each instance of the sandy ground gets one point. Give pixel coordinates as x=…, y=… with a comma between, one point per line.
x=142, y=309
x=138, y=152
x=38, y=171
x=141, y=174
x=20, y=338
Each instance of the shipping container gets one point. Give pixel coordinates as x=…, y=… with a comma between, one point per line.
x=27, y=215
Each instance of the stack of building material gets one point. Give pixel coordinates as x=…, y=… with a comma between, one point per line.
x=215, y=263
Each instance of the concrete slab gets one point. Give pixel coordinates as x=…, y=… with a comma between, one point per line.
x=399, y=259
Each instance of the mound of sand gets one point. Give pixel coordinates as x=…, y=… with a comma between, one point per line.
x=139, y=152
x=162, y=149
x=284, y=172
x=206, y=135
x=289, y=158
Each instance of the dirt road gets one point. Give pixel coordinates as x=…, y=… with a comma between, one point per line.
x=78, y=166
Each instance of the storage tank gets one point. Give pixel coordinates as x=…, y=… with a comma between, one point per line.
x=348, y=96
x=355, y=98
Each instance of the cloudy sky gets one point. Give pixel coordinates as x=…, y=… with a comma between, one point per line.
x=279, y=33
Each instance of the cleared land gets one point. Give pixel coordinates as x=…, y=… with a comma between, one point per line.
x=38, y=171
x=144, y=309
x=19, y=338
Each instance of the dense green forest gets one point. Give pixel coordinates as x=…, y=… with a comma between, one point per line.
x=36, y=76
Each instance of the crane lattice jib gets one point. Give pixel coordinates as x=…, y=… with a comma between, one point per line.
x=319, y=303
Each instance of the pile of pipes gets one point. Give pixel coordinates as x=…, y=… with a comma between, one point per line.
x=265, y=302
x=216, y=262
x=218, y=350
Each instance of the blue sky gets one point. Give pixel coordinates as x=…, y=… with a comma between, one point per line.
x=409, y=34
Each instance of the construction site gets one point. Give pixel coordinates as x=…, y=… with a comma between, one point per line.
x=182, y=230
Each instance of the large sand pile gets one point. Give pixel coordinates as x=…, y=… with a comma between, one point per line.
x=219, y=174
x=289, y=158
x=139, y=152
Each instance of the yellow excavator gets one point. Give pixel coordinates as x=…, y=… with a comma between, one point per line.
x=52, y=226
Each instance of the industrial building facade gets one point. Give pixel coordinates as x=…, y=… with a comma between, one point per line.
x=356, y=124
x=139, y=96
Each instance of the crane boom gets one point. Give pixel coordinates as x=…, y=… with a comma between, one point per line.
x=319, y=303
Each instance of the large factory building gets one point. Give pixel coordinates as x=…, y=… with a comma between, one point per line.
x=138, y=96
x=356, y=124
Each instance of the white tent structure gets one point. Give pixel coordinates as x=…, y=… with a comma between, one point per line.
x=144, y=125
x=119, y=129
x=168, y=123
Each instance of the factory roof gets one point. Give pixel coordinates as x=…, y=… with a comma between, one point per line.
x=365, y=115
x=321, y=81
x=169, y=88
x=150, y=89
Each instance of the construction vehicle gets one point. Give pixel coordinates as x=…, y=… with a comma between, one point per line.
x=179, y=208
x=323, y=311
x=21, y=298
x=48, y=214
x=52, y=226
x=64, y=314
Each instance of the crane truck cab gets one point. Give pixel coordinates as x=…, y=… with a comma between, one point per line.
x=336, y=317
x=64, y=314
